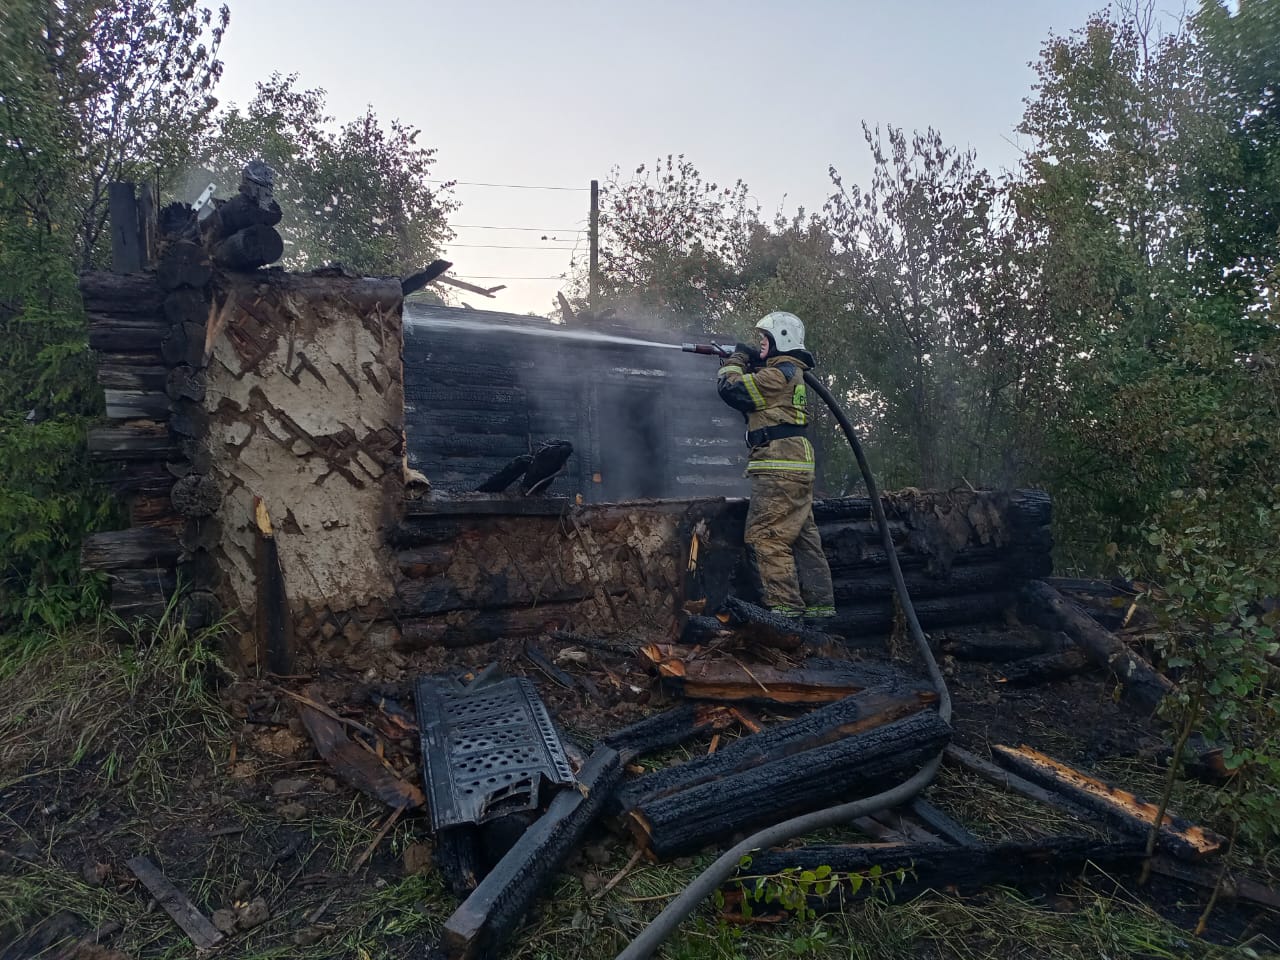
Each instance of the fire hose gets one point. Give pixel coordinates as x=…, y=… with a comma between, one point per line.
x=706, y=883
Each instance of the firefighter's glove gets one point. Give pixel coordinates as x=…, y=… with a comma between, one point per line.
x=743, y=356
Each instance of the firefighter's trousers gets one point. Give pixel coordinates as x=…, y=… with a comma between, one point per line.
x=794, y=575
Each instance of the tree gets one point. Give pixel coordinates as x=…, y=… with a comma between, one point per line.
x=935, y=336
x=360, y=196
x=90, y=92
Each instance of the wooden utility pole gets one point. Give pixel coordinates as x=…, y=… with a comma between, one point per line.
x=594, y=232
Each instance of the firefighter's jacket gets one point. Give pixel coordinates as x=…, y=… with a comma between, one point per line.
x=775, y=402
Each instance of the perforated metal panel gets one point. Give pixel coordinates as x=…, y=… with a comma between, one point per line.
x=487, y=751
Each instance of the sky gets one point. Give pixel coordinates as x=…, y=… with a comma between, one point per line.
x=557, y=93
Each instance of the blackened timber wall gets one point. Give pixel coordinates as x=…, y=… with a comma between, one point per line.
x=483, y=387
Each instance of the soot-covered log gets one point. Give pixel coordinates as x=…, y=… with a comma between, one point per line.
x=668, y=729
x=853, y=556
x=184, y=264
x=877, y=617
x=250, y=248
x=132, y=548
x=485, y=920
x=993, y=648
x=1045, y=667
x=755, y=626
x=461, y=628
x=116, y=293
x=857, y=765
x=942, y=866
x=989, y=577
x=1118, y=807
x=852, y=715
x=1024, y=508
x=1142, y=685
x=239, y=212
x=548, y=461
x=131, y=334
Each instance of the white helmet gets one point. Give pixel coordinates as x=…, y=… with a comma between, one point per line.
x=786, y=329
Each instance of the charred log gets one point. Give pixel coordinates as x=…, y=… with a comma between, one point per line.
x=853, y=766
x=1045, y=668
x=249, y=249
x=1143, y=686
x=668, y=729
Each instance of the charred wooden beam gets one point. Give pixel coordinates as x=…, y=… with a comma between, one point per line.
x=176, y=904
x=668, y=729
x=942, y=866
x=1045, y=668
x=1118, y=807
x=858, y=765
x=756, y=625
x=143, y=592
x=865, y=711
x=991, y=576
x=486, y=919
x=1142, y=685
x=943, y=824
x=877, y=617
x=461, y=628
x=273, y=620
x=126, y=238
x=136, y=404
x=414, y=283
x=237, y=213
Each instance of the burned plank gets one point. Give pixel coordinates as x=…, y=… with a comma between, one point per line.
x=120, y=293
x=136, y=404
x=992, y=647
x=942, y=824
x=668, y=729
x=854, y=766
x=508, y=475
x=1142, y=685
x=109, y=333
x=763, y=627
x=175, y=903
x=942, y=866
x=462, y=628
x=355, y=765
x=816, y=681
x=1122, y=809
x=485, y=920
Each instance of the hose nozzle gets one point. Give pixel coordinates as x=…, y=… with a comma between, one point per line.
x=706, y=349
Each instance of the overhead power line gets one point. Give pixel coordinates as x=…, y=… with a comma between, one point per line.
x=510, y=246
x=510, y=186
x=473, y=276
x=478, y=226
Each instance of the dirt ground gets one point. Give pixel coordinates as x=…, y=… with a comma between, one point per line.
x=109, y=751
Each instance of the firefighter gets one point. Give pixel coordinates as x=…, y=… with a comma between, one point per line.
x=767, y=385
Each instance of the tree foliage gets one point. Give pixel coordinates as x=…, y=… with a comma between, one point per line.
x=358, y=195
x=91, y=91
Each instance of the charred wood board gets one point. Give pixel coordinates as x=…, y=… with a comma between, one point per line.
x=176, y=904
x=134, y=440
x=942, y=824
x=355, y=765
x=1142, y=685
x=765, y=628
x=854, y=766
x=995, y=648
x=668, y=729
x=1125, y=811
x=486, y=919
x=119, y=293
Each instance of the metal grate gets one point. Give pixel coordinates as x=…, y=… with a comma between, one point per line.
x=486, y=751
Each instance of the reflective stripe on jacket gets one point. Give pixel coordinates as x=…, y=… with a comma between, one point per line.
x=770, y=396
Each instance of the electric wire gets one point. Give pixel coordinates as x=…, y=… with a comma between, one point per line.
x=706, y=883
x=509, y=186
